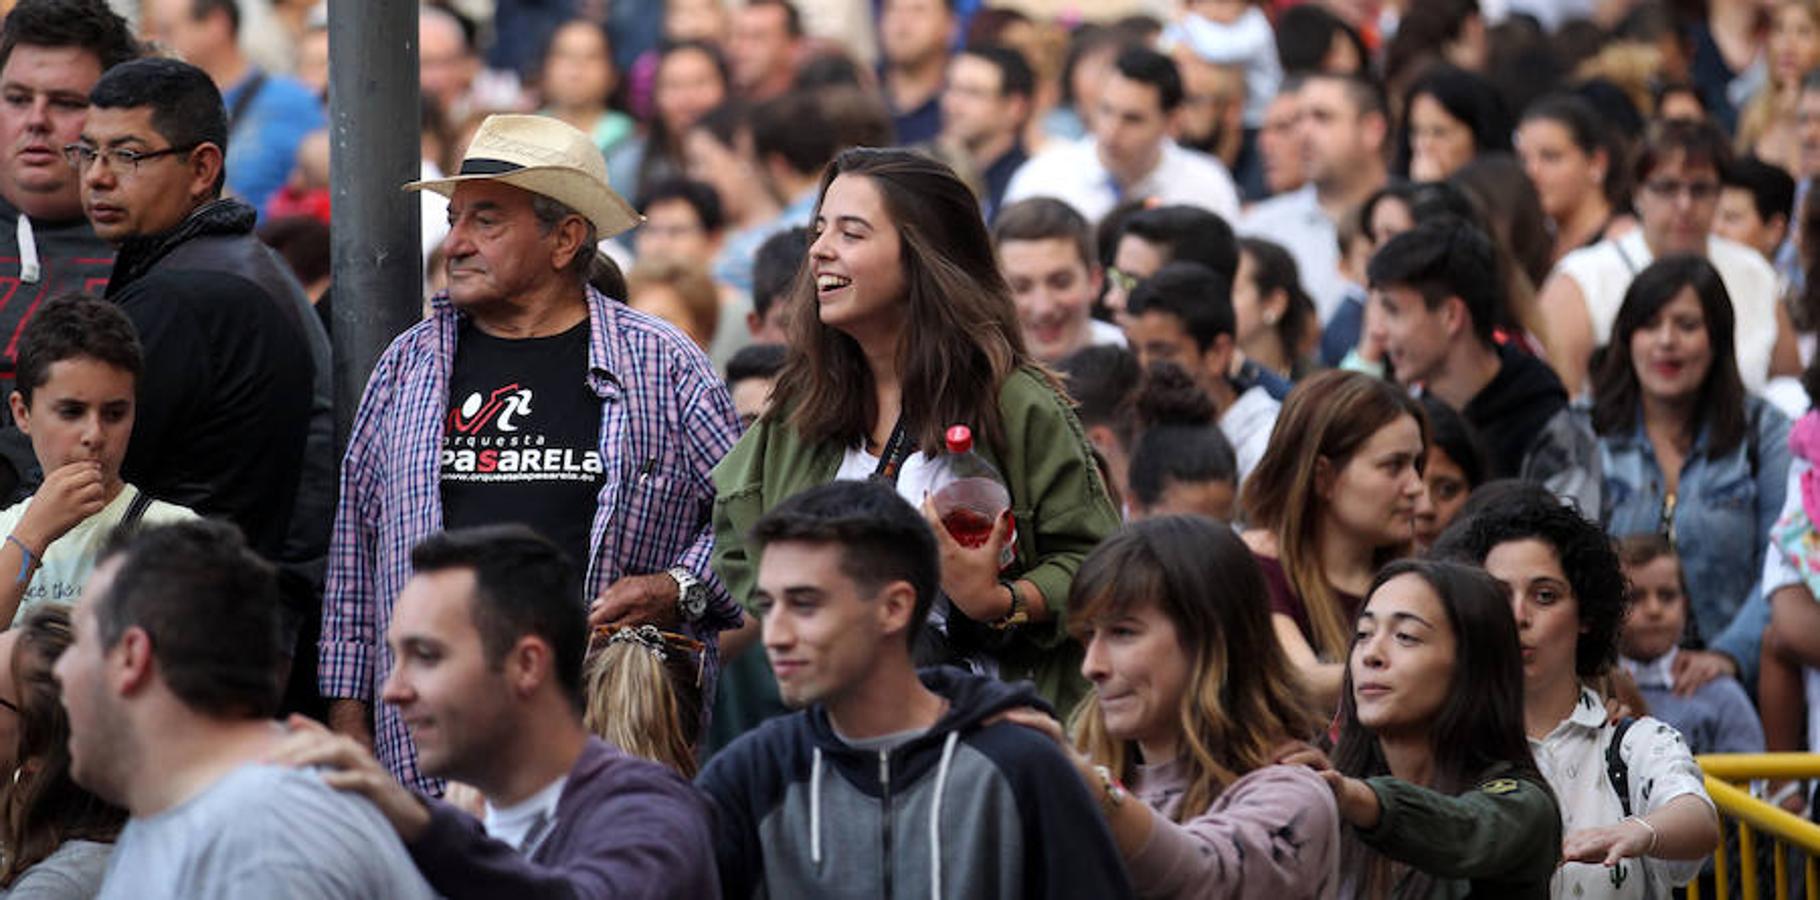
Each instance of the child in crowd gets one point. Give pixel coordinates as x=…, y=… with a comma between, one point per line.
x=1716, y=717
x=1232, y=33
x=78, y=373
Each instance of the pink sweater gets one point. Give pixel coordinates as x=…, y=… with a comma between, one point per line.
x=1273, y=833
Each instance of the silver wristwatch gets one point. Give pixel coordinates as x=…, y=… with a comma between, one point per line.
x=691, y=595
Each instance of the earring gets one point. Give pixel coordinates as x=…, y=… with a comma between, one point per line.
x=1270, y=319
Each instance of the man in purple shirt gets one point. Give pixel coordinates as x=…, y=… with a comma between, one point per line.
x=527, y=397
x=489, y=641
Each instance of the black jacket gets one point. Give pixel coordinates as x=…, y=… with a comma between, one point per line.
x=236, y=416
x=1511, y=411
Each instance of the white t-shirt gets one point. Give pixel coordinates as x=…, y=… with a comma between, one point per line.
x=526, y=823
x=1105, y=334
x=1661, y=768
x=68, y=561
x=1605, y=270
x=1072, y=173
x=1247, y=424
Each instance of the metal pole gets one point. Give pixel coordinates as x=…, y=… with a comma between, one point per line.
x=374, y=100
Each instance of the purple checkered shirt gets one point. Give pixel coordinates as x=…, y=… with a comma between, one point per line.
x=665, y=421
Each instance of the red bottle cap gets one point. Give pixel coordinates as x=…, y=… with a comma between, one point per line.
x=960, y=439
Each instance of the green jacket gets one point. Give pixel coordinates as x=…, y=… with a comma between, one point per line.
x=1060, y=503
x=1501, y=839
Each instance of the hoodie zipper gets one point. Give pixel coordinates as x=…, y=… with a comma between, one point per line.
x=884, y=780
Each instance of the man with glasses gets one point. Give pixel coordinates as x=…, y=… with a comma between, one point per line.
x=1677, y=172
x=234, y=417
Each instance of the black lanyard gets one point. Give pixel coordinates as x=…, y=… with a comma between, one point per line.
x=897, y=449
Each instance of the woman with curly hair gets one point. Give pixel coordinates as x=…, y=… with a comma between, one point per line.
x=1630, y=835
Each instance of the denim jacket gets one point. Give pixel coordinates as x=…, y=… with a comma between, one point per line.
x=1721, y=522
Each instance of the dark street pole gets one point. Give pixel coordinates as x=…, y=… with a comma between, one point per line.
x=373, y=130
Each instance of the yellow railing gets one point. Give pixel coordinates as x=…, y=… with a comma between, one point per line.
x=1724, y=773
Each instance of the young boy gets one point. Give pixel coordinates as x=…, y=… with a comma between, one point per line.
x=78, y=372
x=1715, y=717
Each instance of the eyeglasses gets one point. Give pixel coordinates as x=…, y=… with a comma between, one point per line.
x=1122, y=280
x=120, y=160
x=1671, y=189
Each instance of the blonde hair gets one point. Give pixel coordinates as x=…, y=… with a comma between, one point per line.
x=691, y=284
x=1772, y=99
x=644, y=693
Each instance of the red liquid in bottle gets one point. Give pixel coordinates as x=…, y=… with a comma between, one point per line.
x=969, y=528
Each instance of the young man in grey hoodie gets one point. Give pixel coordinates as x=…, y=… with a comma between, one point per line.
x=889, y=782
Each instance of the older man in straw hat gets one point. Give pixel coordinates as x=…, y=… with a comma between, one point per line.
x=527, y=396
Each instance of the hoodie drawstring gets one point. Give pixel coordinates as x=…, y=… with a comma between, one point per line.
x=935, y=816
x=30, y=270
x=815, y=809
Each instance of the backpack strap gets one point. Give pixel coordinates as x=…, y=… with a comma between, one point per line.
x=135, y=511
x=1616, y=769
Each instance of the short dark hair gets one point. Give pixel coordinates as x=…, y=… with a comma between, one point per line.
x=1199, y=296
x=1041, y=219
x=1104, y=381
x=85, y=24
x=1450, y=433
x=793, y=19
x=1015, y=77
x=1772, y=190
x=202, y=9
x=1695, y=143
x=1367, y=94
x=699, y=195
x=1189, y=234
x=523, y=585
x=1507, y=511
x=1147, y=66
x=1305, y=33
x=775, y=265
x=795, y=127
x=209, y=605
x=186, y=105
x=1443, y=257
x=882, y=538
x=75, y=326
x=756, y=361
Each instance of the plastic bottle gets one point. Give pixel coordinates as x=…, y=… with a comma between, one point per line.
x=969, y=495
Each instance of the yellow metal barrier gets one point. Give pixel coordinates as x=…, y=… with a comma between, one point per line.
x=1754, y=818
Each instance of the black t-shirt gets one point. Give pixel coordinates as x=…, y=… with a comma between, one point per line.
x=521, y=441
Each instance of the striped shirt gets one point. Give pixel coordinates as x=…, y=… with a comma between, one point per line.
x=666, y=419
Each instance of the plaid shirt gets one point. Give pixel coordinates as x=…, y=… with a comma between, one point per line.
x=665, y=421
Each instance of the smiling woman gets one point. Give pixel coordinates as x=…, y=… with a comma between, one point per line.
x=899, y=240
x=1688, y=454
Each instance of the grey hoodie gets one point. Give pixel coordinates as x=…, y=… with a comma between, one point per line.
x=963, y=810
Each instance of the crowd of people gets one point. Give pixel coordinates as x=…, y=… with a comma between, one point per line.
x=1403, y=408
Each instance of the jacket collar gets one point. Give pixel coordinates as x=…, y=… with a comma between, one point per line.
x=224, y=216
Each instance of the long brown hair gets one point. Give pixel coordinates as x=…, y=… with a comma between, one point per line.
x=1243, y=697
x=43, y=806
x=961, y=340
x=1328, y=416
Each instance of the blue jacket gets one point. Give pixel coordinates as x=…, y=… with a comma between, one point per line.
x=1722, y=518
x=963, y=810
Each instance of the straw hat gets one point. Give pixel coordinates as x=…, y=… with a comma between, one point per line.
x=544, y=156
